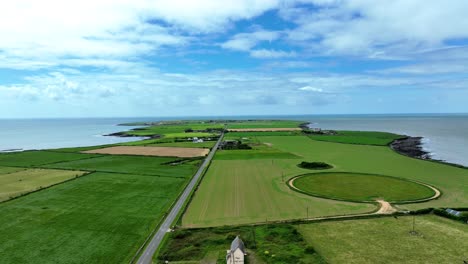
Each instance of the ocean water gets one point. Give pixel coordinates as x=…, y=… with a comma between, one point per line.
x=445, y=136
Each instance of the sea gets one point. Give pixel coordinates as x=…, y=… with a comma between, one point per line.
x=445, y=136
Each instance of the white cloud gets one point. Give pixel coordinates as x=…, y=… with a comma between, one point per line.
x=383, y=29
x=271, y=54
x=310, y=88
x=246, y=41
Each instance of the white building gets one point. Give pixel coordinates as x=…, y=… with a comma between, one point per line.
x=237, y=252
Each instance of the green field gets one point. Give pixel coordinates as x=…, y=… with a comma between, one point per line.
x=252, y=191
x=248, y=190
x=16, y=183
x=278, y=244
x=36, y=158
x=175, y=129
x=102, y=217
x=387, y=240
x=205, y=144
x=361, y=187
x=358, y=137
x=98, y=218
x=264, y=124
x=154, y=166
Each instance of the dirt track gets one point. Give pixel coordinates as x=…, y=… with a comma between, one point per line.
x=264, y=129
x=152, y=151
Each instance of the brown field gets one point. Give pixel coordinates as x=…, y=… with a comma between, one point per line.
x=152, y=151
x=264, y=129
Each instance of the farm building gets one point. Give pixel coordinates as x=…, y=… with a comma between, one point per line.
x=236, y=254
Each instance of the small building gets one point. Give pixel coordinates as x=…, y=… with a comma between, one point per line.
x=453, y=212
x=197, y=140
x=236, y=254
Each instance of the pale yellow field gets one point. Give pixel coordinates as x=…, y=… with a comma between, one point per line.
x=152, y=151
x=25, y=181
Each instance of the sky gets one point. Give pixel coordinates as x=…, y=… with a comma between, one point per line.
x=130, y=58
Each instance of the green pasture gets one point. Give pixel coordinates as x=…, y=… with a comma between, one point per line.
x=277, y=244
x=98, y=218
x=388, y=240
x=175, y=129
x=358, y=137
x=156, y=166
x=361, y=187
x=5, y=170
x=16, y=183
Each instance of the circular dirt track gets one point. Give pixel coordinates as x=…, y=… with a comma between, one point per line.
x=360, y=187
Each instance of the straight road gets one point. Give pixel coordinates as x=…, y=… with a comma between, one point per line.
x=147, y=255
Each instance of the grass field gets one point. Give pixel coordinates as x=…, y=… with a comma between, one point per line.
x=282, y=243
x=154, y=166
x=361, y=187
x=36, y=158
x=250, y=191
x=358, y=137
x=241, y=190
x=20, y=182
x=5, y=170
x=387, y=240
x=175, y=130
x=98, y=218
x=264, y=124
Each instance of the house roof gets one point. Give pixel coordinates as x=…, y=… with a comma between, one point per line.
x=237, y=243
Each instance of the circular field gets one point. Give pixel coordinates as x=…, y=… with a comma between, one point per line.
x=361, y=187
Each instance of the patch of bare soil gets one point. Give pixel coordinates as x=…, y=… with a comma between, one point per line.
x=152, y=151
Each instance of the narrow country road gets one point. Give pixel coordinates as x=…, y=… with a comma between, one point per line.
x=147, y=255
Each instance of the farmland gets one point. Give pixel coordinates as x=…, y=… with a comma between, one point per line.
x=388, y=240
x=252, y=191
x=361, y=187
x=106, y=214
x=152, y=151
x=358, y=137
x=17, y=182
x=241, y=187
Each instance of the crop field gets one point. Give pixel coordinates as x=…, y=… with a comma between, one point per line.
x=101, y=217
x=361, y=187
x=358, y=137
x=152, y=151
x=252, y=191
x=241, y=188
x=98, y=218
x=16, y=183
x=388, y=240
x=154, y=166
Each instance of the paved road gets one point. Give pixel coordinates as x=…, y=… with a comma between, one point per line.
x=147, y=255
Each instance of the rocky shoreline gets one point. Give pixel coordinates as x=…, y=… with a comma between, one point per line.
x=411, y=146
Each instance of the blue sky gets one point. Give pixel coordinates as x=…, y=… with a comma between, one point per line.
x=232, y=57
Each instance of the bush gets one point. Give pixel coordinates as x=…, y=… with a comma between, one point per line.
x=314, y=165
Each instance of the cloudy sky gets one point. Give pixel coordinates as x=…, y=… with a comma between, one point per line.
x=232, y=57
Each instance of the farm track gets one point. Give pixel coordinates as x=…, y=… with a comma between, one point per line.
x=384, y=209
x=146, y=256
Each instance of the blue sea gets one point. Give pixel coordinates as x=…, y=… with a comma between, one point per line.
x=445, y=136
